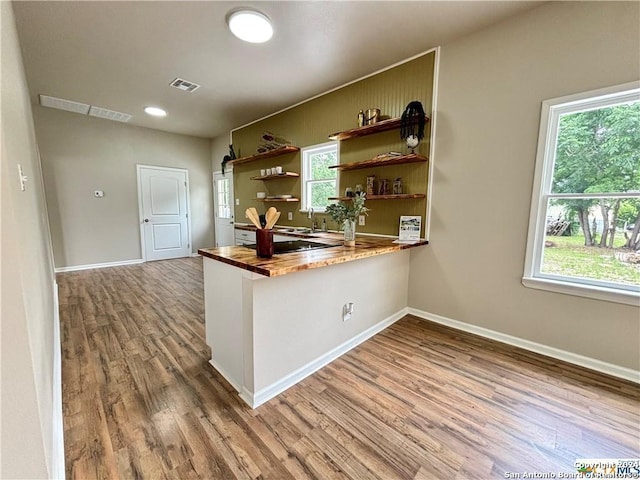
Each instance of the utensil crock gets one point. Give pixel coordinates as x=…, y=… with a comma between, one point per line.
x=264, y=243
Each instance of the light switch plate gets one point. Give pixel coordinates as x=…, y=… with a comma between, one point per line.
x=361, y=220
x=289, y=215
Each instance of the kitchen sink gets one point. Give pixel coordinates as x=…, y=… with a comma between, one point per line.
x=290, y=246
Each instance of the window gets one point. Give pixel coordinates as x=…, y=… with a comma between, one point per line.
x=224, y=198
x=319, y=182
x=584, y=229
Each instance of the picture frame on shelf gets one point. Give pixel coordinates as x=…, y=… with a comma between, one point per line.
x=409, y=231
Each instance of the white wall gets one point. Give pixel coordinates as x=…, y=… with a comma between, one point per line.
x=219, y=148
x=305, y=323
x=491, y=86
x=81, y=154
x=29, y=361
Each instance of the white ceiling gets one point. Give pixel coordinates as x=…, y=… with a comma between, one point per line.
x=122, y=55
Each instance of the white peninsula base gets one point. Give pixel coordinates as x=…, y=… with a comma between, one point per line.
x=268, y=333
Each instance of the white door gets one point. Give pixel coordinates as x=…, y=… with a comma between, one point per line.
x=164, y=217
x=223, y=207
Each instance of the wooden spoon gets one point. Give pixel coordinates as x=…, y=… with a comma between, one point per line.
x=274, y=219
x=252, y=214
x=269, y=215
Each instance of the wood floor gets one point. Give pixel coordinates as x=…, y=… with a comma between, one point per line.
x=418, y=401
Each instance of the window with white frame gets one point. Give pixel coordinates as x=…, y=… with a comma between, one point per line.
x=584, y=229
x=319, y=182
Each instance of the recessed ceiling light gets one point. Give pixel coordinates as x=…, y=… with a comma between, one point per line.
x=155, y=111
x=250, y=26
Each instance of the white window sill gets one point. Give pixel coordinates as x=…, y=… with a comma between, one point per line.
x=589, y=291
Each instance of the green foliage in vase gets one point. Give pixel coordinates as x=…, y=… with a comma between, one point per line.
x=348, y=209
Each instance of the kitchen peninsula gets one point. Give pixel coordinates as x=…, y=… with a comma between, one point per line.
x=272, y=322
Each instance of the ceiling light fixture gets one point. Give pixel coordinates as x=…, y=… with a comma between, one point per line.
x=250, y=25
x=155, y=111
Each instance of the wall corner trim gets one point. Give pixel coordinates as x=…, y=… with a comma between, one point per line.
x=580, y=360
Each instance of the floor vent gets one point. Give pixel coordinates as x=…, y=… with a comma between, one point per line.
x=184, y=85
x=83, y=108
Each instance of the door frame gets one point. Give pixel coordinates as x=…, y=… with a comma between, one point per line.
x=228, y=170
x=140, y=166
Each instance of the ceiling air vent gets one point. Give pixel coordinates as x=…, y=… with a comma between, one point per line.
x=83, y=108
x=184, y=85
x=62, y=104
x=109, y=114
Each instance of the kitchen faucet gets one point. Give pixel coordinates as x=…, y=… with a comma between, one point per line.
x=311, y=216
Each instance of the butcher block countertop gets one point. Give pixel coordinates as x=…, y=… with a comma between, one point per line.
x=282, y=264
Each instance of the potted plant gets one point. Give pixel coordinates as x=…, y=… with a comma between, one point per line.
x=346, y=213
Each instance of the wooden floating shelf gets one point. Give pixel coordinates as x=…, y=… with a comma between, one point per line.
x=277, y=199
x=277, y=175
x=382, y=162
x=271, y=153
x=401, y=196
x=377, y=127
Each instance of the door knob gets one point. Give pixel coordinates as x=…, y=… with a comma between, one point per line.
x=146, y=220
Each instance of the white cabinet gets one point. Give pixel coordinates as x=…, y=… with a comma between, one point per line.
x=245, y=237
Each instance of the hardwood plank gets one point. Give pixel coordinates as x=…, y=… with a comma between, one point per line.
x=418, y=400
x=381, y=126
x=381, y=162
x=268, y=154
x=366, y=246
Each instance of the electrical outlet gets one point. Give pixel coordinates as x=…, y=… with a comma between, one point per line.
x=347, y=311
x=361, y=220
x=290, y=215
x=237, y=201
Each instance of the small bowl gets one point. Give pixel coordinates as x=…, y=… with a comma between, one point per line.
x=261, y=194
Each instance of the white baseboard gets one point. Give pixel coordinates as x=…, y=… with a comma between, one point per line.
x=574, y=358
x=75, y=268
x=254, y=400
x=57, y=454
x=228, y=378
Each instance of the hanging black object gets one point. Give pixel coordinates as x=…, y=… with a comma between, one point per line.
x=225, y=159
x=228, y=158
x=412, y=121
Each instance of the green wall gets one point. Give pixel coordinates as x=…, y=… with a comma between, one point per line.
x=312, y=122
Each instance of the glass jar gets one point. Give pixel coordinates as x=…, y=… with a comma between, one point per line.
x=349, y=227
